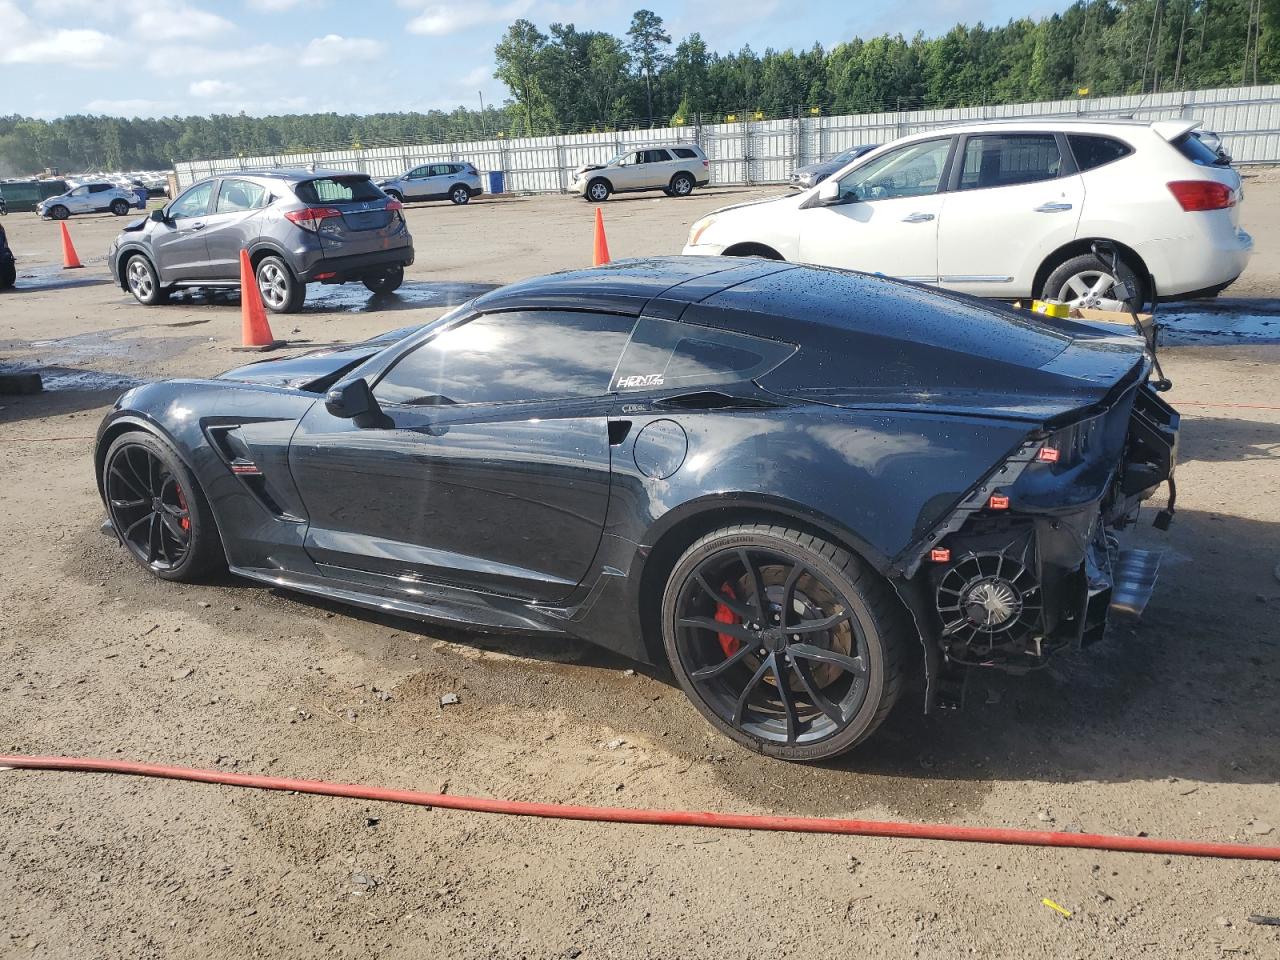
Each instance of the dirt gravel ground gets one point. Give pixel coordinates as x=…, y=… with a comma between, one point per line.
x=1170, y=728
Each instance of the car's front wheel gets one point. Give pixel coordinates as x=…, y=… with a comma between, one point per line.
x=280, y=289
x=141, y=278
x=460, y=195
x=384, y=282
x=119, y=207
x=785, y=642
x=1088, y=281
x=158, y=510
x=598, y=191
x=58, y=212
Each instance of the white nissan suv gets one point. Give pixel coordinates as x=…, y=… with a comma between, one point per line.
x=1011, y=210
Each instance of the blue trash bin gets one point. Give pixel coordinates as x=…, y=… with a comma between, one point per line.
x=494, y=181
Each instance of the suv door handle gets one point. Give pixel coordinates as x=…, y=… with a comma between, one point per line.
x=918, y=218
x=1052, y=207
x=198, y=225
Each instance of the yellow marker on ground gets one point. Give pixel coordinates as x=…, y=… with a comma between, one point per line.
x=1053, y=906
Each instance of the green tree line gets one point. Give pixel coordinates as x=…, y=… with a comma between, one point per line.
x=569, y=80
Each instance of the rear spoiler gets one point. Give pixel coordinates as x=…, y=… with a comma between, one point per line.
x=1171, y=130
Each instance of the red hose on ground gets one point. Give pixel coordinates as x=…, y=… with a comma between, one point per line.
x=673, y=818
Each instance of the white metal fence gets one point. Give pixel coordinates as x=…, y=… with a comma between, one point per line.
x=766, y=151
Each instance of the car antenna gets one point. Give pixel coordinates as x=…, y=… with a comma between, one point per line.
x=1125, y=291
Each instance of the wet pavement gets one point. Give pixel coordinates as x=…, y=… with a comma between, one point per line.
x=1235, y=321
x=354, y=298
x=54, y=277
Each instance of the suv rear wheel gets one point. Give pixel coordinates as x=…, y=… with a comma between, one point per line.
x=280, y=289
x=1088, y=281
x=460, y=194
x=384, y=282
x=681, y=185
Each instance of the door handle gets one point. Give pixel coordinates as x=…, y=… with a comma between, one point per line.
x=198, y=225
x=918, y=218
x=1052, y=207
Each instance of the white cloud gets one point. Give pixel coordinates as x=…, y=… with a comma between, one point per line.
x=211, y=89
x=274, y=6
x=440, y=20
x=26, y=41
x=332, y=49
x=478, y=77
x=185, y=61
x=157, y=20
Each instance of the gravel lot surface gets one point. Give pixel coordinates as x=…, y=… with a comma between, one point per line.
x=1171, y=727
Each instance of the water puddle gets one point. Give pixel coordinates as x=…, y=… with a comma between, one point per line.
x=54, y=277
x=354, y=298
x=69, y=378
x=1219, y=322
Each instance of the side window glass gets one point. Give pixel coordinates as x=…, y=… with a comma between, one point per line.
x=658, y=156
x=1093, y=151
x=1005, y=160
x=417, y=173
x=509, y=358
x=193, y=203
x=911, y=171
x=671, y=354
x=684, y=153
x=237, y=196
x=80, y=192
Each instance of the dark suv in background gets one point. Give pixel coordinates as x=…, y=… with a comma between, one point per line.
x=299, y=226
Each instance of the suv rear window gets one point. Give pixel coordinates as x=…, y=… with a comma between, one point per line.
x=1093, y=151
x=1195, y=151
x=684, y=153
x=353, y=189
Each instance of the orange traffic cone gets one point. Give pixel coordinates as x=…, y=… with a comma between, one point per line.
x=254, y=330
x=600, y=255
x=69, y=259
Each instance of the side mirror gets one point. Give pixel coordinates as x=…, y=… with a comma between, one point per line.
x=829, y=192
x=159, y=216
x=355, y=401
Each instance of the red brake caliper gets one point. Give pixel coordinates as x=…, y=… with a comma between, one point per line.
x=182, y=502
x=724, y=615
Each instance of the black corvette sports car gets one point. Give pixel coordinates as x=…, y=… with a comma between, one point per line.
x=802, y=488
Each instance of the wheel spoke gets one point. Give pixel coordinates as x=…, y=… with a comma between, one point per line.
x=129, y=504
x=707, y=623
x=137, y=523
x=818, y=698
x=174, y=511
x=1101, y=286
x=818, y=626
x=131, y=484
x=708, y=673
x=757, y=584
x=789, y=593
x=810, y=652
x=144, y=485
x=152, y=531
x=172, y=525
x=739, y=608
x=741, y=706
x=784, y=694
x=1077, y=287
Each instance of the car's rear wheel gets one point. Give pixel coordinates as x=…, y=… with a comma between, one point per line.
x=786, y=643
x=280, y=289
x=384, y=282
x=158, y=509
x=142, y=281
x=119, y=207
x=1088, y=281
x=598, y=191
x=460, y=195
x=58, y=212
x=681, y=185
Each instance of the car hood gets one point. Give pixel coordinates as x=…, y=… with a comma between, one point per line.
x=826, y=166
x=590, y=166
x=315, y=370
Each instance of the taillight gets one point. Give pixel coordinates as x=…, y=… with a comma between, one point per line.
x=1193, y=195
x=310, y=218
x=706, y=163
x=394, y=204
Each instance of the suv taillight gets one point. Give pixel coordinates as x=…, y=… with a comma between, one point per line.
x=1193, y=195
x=310, y=218
x=394, y=204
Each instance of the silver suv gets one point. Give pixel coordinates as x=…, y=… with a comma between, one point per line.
x=300, y=227
x=90, y=198
x=674, y=169
x=458, y=182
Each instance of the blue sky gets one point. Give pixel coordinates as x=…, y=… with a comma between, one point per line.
x=160, y=57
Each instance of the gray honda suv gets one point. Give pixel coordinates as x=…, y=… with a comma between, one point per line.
x=299, y=226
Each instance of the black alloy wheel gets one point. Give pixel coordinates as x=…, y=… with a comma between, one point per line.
x=157, y=510
x=784, y=642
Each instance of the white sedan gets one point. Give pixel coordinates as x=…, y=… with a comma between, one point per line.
x=1011, y=210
